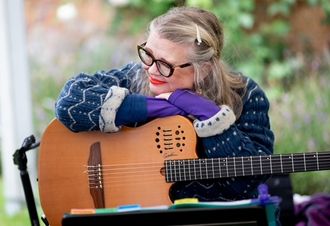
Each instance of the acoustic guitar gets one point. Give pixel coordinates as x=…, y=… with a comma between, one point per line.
x=138, y=165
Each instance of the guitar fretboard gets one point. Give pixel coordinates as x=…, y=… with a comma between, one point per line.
x=198, y=169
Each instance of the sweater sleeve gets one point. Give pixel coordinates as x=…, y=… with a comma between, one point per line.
x=249, y=135
x=79, y=104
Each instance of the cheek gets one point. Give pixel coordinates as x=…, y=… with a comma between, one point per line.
x=184, y=82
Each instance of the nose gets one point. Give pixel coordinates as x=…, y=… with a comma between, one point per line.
x=153, y=69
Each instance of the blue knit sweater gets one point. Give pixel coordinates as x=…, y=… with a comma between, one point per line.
x=79, y=108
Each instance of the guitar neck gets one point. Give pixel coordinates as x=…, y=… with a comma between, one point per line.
x=212, y=168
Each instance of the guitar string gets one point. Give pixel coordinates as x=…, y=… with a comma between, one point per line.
x=231, y=169
x=246, y=158
x=188, y=172
x=224, y=159
x=238, y=165
x=216, y=169
x=142, y=178
x=134, y=179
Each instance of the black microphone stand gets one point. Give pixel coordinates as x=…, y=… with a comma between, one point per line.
x=20, y=160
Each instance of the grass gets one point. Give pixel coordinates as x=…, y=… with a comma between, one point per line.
x=301, y=120
x=19, y=219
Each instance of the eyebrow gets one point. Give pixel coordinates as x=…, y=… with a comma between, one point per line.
x=162, y=59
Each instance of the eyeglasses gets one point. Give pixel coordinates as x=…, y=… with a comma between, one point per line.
x=164, y=68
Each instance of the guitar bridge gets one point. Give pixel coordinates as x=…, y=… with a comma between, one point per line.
x=95, y=176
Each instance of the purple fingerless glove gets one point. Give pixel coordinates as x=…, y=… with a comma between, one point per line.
x=158, y=108
x=194, y=104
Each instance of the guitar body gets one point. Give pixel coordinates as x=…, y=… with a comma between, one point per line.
x=131, y=172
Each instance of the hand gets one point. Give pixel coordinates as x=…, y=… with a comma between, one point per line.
x=193, y=104
x=164, y=95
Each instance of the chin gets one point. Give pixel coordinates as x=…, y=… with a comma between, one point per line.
x=156, y=90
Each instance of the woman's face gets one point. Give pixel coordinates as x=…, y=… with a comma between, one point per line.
x=175, y=54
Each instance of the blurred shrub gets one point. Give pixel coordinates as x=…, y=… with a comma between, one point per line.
x=257, y=48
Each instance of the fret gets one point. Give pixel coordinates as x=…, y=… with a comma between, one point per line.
x=311, y=163
x=195, y=172
x=219, y=164
x=167, y=173
x=207, y=174
x=243, y=166
x=266, y=164
x=212, y=163
x=172, y=170
x=239, y=167
x=179, y=169
x=189, y=169
x=251, y=159
x=231, y=171
x=260, y=160
x=184, y=170
x=248, y=170
x=208, y=168
x=286, y=163
x=317, y=159
x=299, y=162
x=256, y=165
x=200, y=169
x=324, y=160
x=276, y=164
x=223, y=166
x=292, y=162
x=270, y=164
x=304, y=161
x=234, y=167
x=227, y=167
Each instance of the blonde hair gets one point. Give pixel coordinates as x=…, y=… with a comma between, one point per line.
x=202, y=31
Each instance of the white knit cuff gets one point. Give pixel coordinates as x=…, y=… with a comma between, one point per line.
x=216, y=124
x=112, y=102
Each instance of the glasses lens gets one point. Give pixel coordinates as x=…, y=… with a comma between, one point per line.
x=145, y=57
x=164, y=68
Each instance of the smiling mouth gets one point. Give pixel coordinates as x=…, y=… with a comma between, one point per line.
x=155, y=81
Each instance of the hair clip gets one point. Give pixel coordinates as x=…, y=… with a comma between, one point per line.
x=198, y=34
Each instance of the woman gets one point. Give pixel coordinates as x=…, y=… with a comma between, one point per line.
x=181, y=73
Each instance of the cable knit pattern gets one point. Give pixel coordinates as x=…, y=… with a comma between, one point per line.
x=79, y=108
x=79, y=104
x=216, y=124
x=110, y=106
